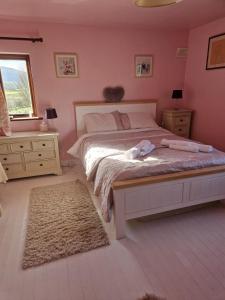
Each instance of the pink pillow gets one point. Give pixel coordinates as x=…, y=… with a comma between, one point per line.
x=116, y=114
x=125, y=121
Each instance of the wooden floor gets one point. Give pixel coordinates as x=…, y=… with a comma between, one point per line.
x=179, y=257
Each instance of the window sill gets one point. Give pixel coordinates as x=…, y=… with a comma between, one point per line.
x=26, y=119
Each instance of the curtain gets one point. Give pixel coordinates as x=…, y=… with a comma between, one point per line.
x=4, y=116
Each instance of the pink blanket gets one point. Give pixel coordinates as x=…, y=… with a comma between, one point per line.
x=104, y=161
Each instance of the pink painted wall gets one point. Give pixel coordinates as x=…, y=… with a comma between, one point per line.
x=106, y=57
x=205, y=90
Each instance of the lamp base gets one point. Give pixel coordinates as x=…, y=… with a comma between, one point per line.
x=51, y=125
x=44, y=126
x=176, y=104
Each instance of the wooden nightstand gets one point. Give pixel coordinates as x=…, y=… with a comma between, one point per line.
x=178, y=121
x=32, y=153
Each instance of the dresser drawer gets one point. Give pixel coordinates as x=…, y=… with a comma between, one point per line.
x=10, y=158
x=20, y=147
x=4, y=148
x=181, y=131
x=39, y=155
x=44, y=144
x=13, y=170
x=42, y=165
x=182, y=120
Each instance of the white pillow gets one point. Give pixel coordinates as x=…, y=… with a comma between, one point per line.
x=141, y=120
x=96, y=122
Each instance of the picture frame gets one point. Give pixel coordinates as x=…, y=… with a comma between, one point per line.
x=216, y=52
x=143, y=66
x=66, y=65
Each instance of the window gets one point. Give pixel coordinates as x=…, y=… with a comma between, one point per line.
x=16, y=81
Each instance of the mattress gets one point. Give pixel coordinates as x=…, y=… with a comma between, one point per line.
x=104, y=160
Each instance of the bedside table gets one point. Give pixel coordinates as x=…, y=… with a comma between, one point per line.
x=178, y=121
x=31, y=153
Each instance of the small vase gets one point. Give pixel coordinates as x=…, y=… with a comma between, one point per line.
x=43, y=126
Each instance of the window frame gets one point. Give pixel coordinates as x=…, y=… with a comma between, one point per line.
x=25, y=57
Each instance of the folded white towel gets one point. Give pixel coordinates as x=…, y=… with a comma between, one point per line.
x=189, y=148
x=141, y=149
x=132, y=153
x=147, y=150
x=205, y=148
x=201, y=147
x=144, y=147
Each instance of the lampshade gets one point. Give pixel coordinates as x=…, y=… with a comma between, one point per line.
x=177, y=94
x=51, y=113
x=155, y=3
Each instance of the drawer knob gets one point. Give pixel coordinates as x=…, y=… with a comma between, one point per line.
x=5, y=158
x=7, y=169
x=181, y=120
x=180, y=129
x=21, y=146
x=41, y=165
x=39, y=154
x=43, y=145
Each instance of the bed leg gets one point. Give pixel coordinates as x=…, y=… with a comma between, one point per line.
x=119, y=214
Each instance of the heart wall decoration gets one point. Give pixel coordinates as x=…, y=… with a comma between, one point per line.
x=113, y=94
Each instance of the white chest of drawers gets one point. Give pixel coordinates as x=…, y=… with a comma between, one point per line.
x=31, y=153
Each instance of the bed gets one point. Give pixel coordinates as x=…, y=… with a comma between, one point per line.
x=135, y=188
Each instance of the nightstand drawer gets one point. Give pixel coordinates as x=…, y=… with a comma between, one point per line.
x=182, y=131
x=10, y=158
x=4, y=149
x=21, y=147
x=183, y=120
x=14, y=169
x=41, y=166
x=39, y=155
x=44, y=144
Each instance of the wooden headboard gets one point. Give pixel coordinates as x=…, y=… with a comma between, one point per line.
x=83, y=108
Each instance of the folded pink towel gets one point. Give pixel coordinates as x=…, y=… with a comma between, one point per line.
x=201, y=147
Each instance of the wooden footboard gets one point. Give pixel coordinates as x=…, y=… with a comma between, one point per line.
x=156, y=194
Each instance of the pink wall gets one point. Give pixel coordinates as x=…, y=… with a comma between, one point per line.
x=106, y=57
x=205, y=90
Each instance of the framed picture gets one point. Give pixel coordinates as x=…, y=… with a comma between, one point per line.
x=216, y=52
x=66, y=65
x=143, y=65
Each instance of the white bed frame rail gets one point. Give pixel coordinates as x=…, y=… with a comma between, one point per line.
x=134, y=199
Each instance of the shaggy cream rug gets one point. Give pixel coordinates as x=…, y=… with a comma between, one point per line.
x=62, y=221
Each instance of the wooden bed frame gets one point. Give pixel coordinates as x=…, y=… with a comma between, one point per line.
x=156, y=194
